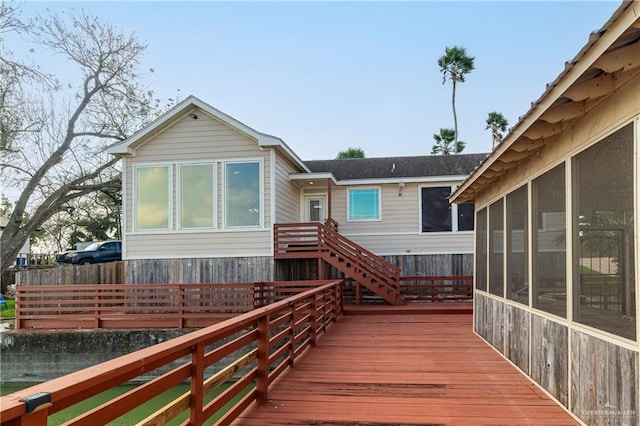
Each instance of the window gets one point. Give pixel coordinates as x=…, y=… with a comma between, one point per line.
x=465, y=216
x=549, y=247
x=363, y=204
x=517, y=250
x=481, y=250
x=242, y=194
x=603, y=196
x=436, y=210
x=196, y=196
x=496, y=248
x=152, y=197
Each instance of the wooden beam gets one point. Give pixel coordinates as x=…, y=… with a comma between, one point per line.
x=513, y=155
x=544, y=130
x=600, y=86
x=625, y=58
x=569, y=110
x=524, y=144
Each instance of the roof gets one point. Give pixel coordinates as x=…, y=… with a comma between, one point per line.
x=610, y=59
x=398, y=167
x=193, y=105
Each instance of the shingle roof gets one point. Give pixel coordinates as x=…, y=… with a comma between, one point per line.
x=398, y=167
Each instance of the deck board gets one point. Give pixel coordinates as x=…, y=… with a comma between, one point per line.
x=401, y=369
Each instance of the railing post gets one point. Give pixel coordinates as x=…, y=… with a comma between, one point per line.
x=197, y=385
x=292, y=335
x=262, y=377
x=181, y=307
x=313, y=321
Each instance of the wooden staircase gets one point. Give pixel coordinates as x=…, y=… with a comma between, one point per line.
x=323, y=241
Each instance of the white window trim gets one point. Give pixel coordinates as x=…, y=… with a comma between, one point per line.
x=169, y=201
x=260, y=162
x=379, y=218
x=214, y=212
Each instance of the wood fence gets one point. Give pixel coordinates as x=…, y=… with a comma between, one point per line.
x=138, y=306
x=419, y=288
x=259, y=345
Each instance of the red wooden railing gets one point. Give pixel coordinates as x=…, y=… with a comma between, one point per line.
x=322, y=240
x=127, y=306
x=263, y=343
x=420, y=289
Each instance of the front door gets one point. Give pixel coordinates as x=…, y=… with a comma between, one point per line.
x=315, y=210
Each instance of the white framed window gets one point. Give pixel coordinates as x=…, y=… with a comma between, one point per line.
x=152, y=197
x=363, y=204
x=243, y=194
x=437, y=214
x=197, y=196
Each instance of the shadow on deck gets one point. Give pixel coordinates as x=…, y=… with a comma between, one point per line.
x=402, y=367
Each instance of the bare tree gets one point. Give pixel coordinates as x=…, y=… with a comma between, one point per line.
x=53, y=147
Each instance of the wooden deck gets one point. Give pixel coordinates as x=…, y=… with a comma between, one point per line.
x=401, y=369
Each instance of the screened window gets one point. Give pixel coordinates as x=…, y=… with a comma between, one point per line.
x=465, y=216
x=152, y=197
x=496, y=248
x=436, y=210
x=196, y=196
x=481, y=250
x=549, y=242
x=604, y=287
x=517, y=240
x=364, y=204
x=242, y=194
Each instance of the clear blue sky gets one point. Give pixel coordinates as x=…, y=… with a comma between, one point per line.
x=325, y=76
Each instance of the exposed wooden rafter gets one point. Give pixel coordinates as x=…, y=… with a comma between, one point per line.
x=626, y=58
x=599, y=86
x=525, y=144
x=545, y=130
x=569, y=110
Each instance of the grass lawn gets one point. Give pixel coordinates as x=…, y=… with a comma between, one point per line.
x=9, y=312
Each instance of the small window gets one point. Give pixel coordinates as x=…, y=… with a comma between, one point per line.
x=196, y=196
x=465, y=216
x=481, y=250
x=436, y=210
x=517, y=250
x=549, y=256
x=152, y=198
x=243, y=195
x=364, y=204
x=496, y=248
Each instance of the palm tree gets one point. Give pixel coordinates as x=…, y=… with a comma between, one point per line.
x=498, y=125
x=446, y=143
x=351, y=153
x=455, y=64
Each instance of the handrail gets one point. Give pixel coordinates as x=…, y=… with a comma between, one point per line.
x=136, y=306
x=264, y=342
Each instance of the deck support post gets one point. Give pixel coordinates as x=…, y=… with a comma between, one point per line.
x=197, y=385
x=262, y=380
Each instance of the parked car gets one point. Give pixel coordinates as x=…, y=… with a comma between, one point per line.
x=63, y=257
x=100, y=252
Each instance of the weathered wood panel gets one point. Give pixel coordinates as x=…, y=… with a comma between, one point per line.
x=516, y=341
x=604, y=381
x=489, y=321
x=216, y=270
x=550, y=357
x=433, y=264
x=98, y=273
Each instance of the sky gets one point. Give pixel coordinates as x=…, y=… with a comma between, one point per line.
x=326, y=76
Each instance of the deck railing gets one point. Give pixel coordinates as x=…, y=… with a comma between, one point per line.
x=421, y=288
x=263, y=344
x=126, y=306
